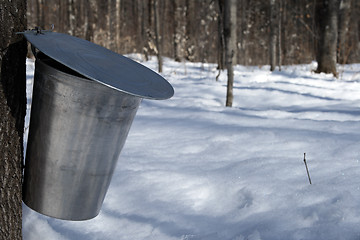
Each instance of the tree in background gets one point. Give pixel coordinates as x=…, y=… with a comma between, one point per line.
x=188, y=29
x=158, y=44
x=273, y=34
x=327, y=16
x=221, y=40
x=229, y=32
x=179, y=29
x=12, y=113
x=344, y=18
x=279, y=34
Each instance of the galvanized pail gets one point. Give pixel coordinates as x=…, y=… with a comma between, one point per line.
x=77, y=130
x=85, y=98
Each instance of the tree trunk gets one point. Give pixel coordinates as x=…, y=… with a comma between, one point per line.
x=117, y=25
x=111, y=22
x=279, y=35
x=40, y=5
x=327, y=12
x=157, y=34
x=71, y=11
x=273, y=33
x=180, y=30
x=345, y=6
x=12, y=112
x=221, y=40
x=145, y=22
x=230, y=45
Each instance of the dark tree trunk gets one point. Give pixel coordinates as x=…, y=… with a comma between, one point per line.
x=230, y=45
x=221, y=40
x=12, y=112
x=327, y=15
x=345, y=7
x=279, y=35
x=273, y=34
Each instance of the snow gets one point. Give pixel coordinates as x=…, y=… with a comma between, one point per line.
x=193, y=169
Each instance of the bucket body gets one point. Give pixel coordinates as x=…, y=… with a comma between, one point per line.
x=77, y=130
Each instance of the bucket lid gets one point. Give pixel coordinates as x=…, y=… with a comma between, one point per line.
x=101, y=65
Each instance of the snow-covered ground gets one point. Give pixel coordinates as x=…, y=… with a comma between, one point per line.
x=194, y=169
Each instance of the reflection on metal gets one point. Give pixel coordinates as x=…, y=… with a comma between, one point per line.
x=80, y=118
x=101, y=64
x=77, y=130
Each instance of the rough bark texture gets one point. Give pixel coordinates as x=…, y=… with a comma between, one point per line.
x=12, y=112
x=327, y=12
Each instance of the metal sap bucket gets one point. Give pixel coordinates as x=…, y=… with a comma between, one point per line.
x=79, y=124
x=77, y=130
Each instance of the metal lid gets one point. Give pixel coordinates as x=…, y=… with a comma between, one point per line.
x=101, y=64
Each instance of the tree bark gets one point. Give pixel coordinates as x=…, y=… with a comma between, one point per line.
x=221, y=40
x=327, y=15
x=117, y=25
x=279, y=35
x=345, y=6
x=230, y=46
x=157, y=34
x=111, y=22
x=273, y=35
x=12, y=112
x=180, y=29
x=71, y=12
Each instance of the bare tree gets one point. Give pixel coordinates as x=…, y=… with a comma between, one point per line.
x=112, y=24
x=345, y=7
x=180, y=29
x=221, y=41
x=229, y=32
x=41, y=13
x=128, y=26
x=12, y=112
x=279, y=34
x=71, y=11
x=273, y=34
x=157, y=34
x=117, y=25
x=327, y=15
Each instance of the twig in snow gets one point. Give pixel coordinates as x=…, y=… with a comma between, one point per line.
x=307, y=170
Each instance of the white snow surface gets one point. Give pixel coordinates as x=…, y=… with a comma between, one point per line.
x=193, y=169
